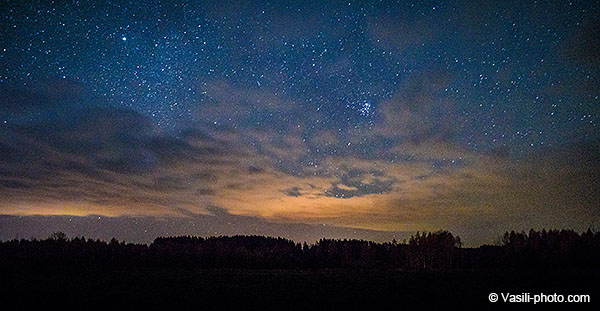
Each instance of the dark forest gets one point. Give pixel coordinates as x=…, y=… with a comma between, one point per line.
x=432, y=251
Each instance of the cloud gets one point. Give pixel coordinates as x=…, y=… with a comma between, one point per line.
x=420, y=109
x=229, y=102
x=104, y=160
x=50, y=95
x=83, y=160
x=293, y=192
x=355, y=182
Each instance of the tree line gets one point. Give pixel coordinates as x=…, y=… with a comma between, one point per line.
x=427, y=251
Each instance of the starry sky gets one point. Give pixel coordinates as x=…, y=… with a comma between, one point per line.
x=303, y=119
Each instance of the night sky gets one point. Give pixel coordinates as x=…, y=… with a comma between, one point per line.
x=303, y=119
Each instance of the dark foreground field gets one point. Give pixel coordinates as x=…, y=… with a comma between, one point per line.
x=255, y=272
x=311, y=289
